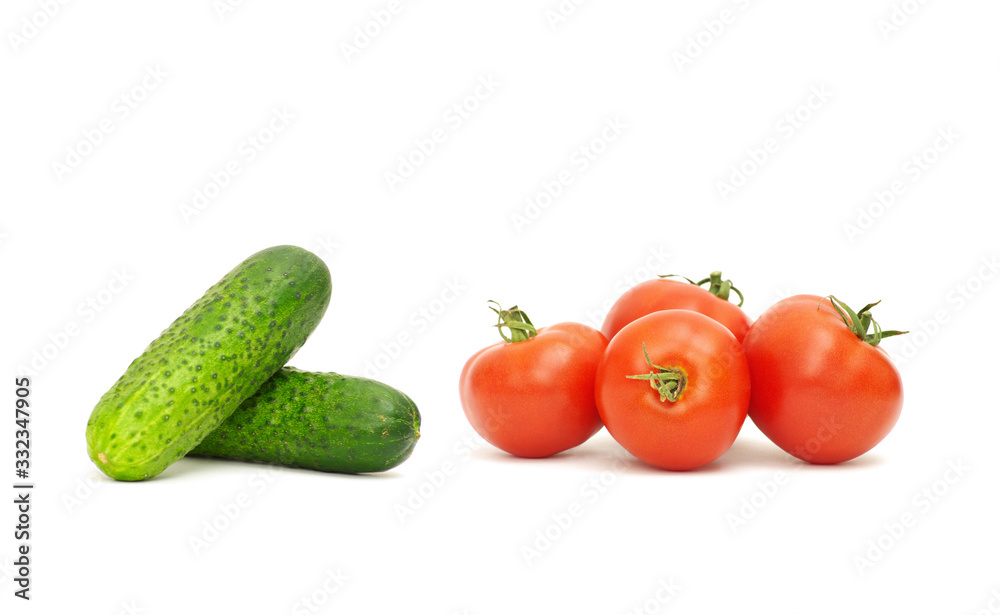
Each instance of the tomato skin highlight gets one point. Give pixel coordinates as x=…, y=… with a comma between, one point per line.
x=665, y=294
x=535, y=398
x=704, y=421
x=818, y=391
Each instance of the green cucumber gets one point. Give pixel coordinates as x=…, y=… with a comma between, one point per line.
x=202, y=367
x=319, y=421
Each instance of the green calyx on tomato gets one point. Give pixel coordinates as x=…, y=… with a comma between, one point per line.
x=859, y=322
x=716, y=285
x=515, y=321
x=669, y=381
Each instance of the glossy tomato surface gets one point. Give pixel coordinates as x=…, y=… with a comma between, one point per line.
x=665, y=294
x=706, y=417
x=535, y=398
x=819, y=392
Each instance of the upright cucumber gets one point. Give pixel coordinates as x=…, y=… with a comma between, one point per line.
x=202, y=367
x=319, y=421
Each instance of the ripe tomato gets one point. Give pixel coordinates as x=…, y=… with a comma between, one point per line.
x=704, y=388
x=532, y=395
x=820, y=392
x=665, y=294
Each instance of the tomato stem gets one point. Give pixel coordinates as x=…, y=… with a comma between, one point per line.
x=859, y=322
x=669, y=381
x=515, y=321
x=716, y=285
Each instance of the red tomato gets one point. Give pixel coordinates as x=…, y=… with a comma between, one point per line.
x=535, y=398
x=820, y=392
x=710, y=390
x=665, y=294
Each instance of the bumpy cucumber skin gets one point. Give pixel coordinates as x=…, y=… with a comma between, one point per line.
x=217, y=354
x=319, y=421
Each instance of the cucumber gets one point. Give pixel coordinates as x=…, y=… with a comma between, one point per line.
x=319, y=421
x=217, y=354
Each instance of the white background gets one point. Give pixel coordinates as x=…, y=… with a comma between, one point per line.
x=444, y=241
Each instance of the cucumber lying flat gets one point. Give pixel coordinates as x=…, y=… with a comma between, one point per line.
x=217, y=354
x=319, y=421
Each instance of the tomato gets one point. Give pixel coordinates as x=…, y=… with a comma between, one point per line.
x=704, y=388
x=532, y=395
x=665, y=294
x=820, y=392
